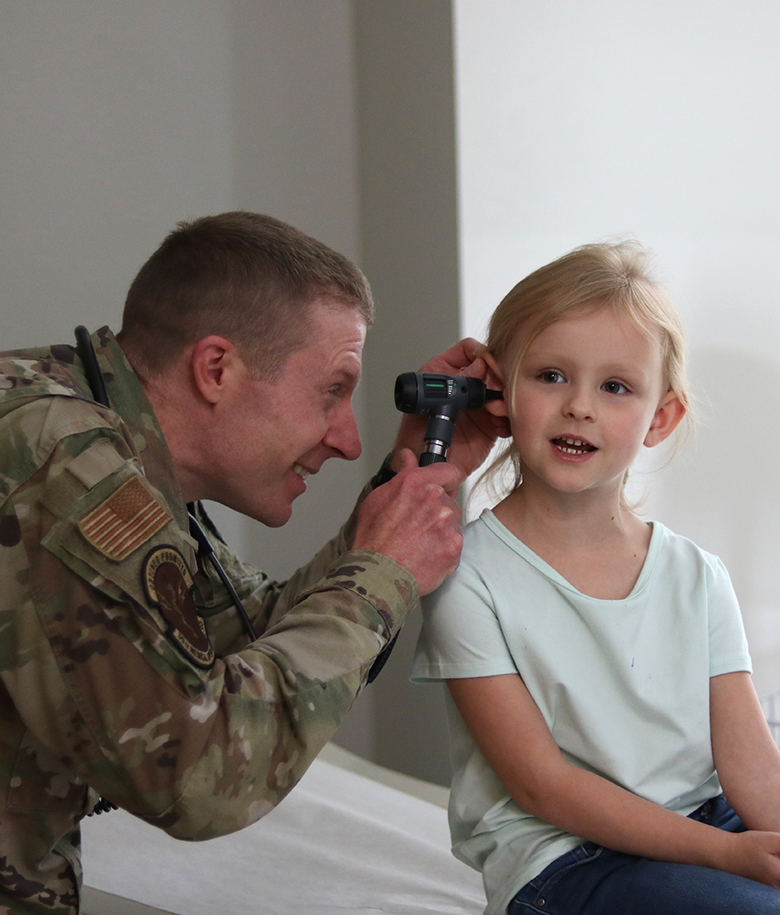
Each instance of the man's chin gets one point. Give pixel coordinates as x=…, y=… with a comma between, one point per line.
x=275, y=516
x=274, y=511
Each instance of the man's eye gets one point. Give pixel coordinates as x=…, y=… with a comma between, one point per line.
x=615, y=387
x=550, y=376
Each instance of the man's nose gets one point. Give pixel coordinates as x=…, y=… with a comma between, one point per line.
x=343, y=435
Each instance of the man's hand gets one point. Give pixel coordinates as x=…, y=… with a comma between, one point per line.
x=475, y=431
x=414, y=520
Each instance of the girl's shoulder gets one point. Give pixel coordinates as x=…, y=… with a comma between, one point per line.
x=486, y=534
x=487, y=527
x=681, y=554
x=493, y=554
x=679, y=544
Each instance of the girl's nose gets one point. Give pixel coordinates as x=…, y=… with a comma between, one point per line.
x=579, y=406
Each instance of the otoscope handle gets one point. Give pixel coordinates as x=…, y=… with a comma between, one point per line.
x=431, y=457
x=438, y=436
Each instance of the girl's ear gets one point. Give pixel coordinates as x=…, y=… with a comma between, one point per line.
x=667, y=417
x=495, y=381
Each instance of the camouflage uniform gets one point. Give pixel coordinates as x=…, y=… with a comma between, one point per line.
x=112, y=683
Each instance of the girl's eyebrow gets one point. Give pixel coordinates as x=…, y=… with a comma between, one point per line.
x=542, y=361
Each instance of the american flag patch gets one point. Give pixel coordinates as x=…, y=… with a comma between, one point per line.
x=125, y=521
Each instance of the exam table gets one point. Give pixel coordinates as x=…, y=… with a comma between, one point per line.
x=352, y=837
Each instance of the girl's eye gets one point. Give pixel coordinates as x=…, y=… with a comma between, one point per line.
x=615, y=387
x=550, y=376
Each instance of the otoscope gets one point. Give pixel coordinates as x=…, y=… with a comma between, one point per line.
x=442, y=397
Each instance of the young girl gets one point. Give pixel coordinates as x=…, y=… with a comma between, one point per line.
x=598, y=667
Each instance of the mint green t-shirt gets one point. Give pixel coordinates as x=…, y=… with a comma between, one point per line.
x=622, y=684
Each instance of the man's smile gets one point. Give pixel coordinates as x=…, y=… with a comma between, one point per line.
x=301, y=471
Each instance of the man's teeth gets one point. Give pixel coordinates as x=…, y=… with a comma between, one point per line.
x=301, y=471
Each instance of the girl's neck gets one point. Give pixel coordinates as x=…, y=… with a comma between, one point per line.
x=598, y=545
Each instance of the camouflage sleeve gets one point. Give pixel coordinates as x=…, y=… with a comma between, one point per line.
x=264, y=599
x=117, y=681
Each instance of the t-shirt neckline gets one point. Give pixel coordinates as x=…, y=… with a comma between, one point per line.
x=516, y=544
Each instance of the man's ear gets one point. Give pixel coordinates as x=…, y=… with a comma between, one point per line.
x=667, y=417
x=216, y=366
x=495, y=381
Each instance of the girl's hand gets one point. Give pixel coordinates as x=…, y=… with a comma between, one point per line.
x=755, y=855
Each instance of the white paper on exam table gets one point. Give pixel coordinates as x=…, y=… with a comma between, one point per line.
x=340, y=843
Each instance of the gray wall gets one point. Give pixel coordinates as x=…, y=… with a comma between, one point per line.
x=118, y=119
x=408, y=208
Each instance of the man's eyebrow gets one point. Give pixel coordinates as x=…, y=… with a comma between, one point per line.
x=349, y=375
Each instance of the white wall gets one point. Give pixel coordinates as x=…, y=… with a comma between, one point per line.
x=579, y=121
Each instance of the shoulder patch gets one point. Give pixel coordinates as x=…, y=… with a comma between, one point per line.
x=168, y=585
x=124, y=521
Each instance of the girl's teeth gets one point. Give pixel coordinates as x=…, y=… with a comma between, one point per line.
x=576, y=445
x=301, y=471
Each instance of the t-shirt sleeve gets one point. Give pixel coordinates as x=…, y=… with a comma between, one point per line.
x=728, y=643
x=461, y=635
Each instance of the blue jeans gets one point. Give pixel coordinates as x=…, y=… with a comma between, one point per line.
x=591, y=880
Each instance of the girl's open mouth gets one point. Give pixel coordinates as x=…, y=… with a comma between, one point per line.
x=573, y=445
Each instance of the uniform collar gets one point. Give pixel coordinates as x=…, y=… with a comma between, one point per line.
x=128, y=398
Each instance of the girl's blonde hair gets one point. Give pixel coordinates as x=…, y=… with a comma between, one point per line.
x=606, y=275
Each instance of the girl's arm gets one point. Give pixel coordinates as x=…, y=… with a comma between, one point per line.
x=509, y=729
x=746, y=757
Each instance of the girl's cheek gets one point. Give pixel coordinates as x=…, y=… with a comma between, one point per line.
x=516, y=427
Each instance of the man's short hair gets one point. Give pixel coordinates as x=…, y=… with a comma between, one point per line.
x=244, y=276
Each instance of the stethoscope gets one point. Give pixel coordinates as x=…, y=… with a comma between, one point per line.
x=97, y=386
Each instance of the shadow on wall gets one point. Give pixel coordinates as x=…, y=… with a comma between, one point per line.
x=723, y=489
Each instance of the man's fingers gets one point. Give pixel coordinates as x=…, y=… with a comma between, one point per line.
x=415, y=520
x=457, y=359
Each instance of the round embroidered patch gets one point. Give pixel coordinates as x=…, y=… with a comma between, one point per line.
x=168, y=585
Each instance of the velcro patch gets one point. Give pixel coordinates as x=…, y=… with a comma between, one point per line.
x=125, y=521
x=168, y=585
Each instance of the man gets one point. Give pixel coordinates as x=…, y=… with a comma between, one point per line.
x=127, y=670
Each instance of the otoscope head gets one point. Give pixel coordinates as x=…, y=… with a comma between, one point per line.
x=428, y=392
x=441, y=397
